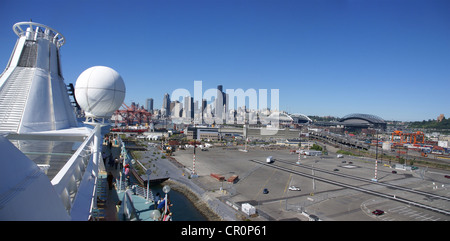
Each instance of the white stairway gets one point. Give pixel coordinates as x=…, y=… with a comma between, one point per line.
x=13, y=97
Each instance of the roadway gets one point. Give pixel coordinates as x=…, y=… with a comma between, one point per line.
x=353, y=177
x=365, y=190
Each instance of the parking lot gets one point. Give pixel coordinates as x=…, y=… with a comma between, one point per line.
x=327, y=201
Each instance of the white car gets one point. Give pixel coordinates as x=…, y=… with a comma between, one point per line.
x=294, y=188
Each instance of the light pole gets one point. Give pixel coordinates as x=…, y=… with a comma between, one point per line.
x=166, y=189
x=194, y=174
x=300, y=145
x=314, y=181
x=155, y=215
x=376, y=157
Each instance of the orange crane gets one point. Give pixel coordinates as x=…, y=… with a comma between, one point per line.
x=132, y=115
x=399, y=138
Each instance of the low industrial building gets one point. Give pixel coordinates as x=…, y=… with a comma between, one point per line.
x=202, y=133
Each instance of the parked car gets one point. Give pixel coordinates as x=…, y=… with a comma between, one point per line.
x=336, y=170
x=378, y=212
x=447, y=176
x=394, y=172
x=265, y=191
x=294, y=188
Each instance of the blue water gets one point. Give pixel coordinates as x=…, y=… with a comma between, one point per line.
x=182, y=209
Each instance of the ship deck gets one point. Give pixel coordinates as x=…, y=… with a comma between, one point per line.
x=109, y=209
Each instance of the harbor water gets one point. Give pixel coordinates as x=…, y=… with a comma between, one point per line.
x=182, y=209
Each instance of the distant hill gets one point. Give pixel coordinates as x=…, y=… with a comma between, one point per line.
x=431, y=124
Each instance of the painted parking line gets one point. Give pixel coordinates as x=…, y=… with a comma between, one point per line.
x=387, y=218
x=417, y=215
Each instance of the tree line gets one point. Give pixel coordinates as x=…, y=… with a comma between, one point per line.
x=431, y=124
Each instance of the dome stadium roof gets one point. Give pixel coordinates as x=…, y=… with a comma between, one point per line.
x=301, y=117
x=281, y=116
x=367, y=117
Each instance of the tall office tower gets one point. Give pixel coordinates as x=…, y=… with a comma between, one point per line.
x=33, y=95
x=176, y=109
x=149, y=105
x=226, y=100
x=165, y=110
x=188, y=108
x=191, y=109
x=218, y=108
x=197, y=112
x=224, y=96
x=201, y=114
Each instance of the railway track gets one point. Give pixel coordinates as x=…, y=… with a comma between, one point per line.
x=368, y=181
x=357, y=188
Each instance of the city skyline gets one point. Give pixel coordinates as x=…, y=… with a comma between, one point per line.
x=329, y=58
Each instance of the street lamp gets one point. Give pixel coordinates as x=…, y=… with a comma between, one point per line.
x=194, y=174
x=166, y=189
x=375, y=179
x=155, y=214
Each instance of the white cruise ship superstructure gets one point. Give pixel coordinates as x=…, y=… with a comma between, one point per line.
x=50, y=160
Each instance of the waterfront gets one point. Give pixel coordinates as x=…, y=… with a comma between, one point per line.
x=205, y=200
x=182, y=209
x=200, y=196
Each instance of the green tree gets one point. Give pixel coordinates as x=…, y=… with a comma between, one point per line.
x=316, y=147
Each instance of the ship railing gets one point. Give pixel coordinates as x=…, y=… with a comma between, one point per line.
x=120, y=183
x=35, y=31
x=79, y=175
x=144, y=192
x=127, y=212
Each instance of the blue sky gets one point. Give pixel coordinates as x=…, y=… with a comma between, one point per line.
x=388, y=58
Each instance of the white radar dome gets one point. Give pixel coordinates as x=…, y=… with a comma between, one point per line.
x=99, y=91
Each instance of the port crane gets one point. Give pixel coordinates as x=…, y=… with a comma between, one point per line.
x=132, y=115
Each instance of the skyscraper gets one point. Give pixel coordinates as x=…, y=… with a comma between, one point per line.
x=189, y=107
x=149, y=105
x=219, y=104
x=165, y=110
